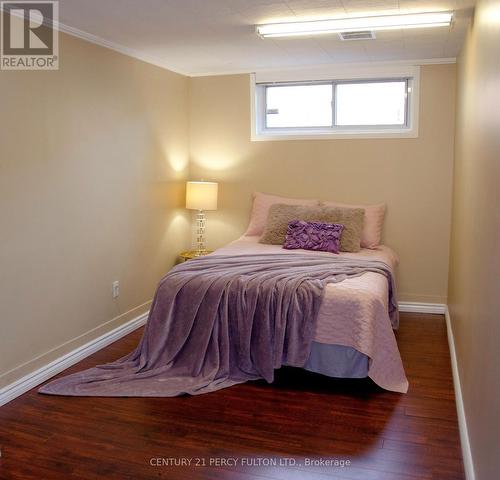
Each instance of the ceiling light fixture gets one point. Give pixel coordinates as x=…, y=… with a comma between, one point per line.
x=384, y=22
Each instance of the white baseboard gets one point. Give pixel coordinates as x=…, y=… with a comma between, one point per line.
x=418, y=307
x=10, y=392
x=462, y=421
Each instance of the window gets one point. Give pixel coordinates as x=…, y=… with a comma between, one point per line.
x=365, y=107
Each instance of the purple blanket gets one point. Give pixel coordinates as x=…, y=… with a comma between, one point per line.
x=221, y=320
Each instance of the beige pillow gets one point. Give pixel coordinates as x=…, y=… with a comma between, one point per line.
x=260, y=209
x=280, y=214
x=374, y=221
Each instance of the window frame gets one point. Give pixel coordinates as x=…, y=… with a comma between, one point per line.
x=261, y=81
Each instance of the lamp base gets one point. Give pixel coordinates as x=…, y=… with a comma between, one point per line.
x=201, y=222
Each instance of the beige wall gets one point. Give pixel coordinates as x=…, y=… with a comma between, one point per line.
x=413, y=176
x=474, y=299
x=93, y=159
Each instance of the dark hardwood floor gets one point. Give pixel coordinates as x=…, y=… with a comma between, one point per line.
x=301, y=417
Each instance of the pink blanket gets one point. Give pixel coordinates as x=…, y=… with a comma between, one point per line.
x=353, y=313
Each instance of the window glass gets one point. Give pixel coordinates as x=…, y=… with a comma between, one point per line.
x=370, y=103
x=299, y=106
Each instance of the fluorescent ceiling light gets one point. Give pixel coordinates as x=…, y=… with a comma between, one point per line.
x=384, y=22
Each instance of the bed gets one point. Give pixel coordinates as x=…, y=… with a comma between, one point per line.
x=248, y=308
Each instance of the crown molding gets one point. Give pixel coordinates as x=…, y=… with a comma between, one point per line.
x=103, y=42
x=129, y=52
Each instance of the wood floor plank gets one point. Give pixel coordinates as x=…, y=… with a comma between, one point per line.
x=300, y=416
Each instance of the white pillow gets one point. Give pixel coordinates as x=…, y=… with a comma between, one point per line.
x=374, y=221
x=261, y=204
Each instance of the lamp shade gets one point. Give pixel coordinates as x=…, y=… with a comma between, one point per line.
x=201, y=195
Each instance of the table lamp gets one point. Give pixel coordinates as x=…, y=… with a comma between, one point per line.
x=201, y=196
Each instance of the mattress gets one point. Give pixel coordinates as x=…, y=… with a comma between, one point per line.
x=353, y=315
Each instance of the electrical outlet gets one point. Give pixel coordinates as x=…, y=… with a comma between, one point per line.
x=116, y=288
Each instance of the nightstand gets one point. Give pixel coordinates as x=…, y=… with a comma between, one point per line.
x=189, y=254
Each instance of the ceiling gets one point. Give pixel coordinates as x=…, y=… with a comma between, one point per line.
x=204, y=37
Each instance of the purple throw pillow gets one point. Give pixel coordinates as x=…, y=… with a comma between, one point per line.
x=324, y=237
